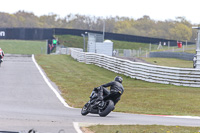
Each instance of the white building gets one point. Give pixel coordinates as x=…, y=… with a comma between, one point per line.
x=96, y=44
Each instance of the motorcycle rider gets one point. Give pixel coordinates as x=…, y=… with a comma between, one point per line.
x=1, y=54
x=115, y=86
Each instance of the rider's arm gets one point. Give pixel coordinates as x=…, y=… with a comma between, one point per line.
x=108, y=84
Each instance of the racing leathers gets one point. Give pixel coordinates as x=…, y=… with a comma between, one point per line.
x=114, y=87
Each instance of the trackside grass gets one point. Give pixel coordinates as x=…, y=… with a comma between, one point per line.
x=141, y=129
x=23, y=47
x=77, y=41
x=170, y=62
x=77, y=80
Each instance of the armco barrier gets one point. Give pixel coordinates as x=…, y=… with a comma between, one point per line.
x=147, y=72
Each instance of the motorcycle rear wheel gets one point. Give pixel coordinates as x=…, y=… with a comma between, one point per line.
x=108, y=107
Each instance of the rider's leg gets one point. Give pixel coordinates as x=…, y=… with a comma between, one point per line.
x=105, y=91
x=116, y=101
x=100, y=93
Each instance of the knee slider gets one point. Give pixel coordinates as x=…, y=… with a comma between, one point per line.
x=99, y=88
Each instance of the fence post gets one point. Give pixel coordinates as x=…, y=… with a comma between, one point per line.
x=186, y=43
x=146, y=54
x=168, y=44
x=150, y=47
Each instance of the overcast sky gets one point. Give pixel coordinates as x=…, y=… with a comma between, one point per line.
x=156, y=9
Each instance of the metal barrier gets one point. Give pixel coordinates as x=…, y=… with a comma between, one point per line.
x=147, y=72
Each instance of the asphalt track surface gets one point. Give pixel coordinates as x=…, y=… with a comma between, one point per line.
x=28, y=102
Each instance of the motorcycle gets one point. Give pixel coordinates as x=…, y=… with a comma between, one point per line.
x=103, y=108
x=1, y=60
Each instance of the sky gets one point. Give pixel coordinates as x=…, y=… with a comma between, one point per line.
x=156, y=9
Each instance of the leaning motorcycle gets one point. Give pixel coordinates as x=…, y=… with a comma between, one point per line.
x=103, y=108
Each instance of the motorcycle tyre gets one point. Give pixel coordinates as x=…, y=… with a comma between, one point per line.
x=84, y=110
x=108, y=109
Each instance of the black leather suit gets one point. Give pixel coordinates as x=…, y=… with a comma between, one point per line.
x=114, y=87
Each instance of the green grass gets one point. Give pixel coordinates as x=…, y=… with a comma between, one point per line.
x=142, y=129
x=132, y=45
x=191, y=49
x=71, y=41
x=23, y=47
x=77, y=41
x=171, y=62
x=77, y=80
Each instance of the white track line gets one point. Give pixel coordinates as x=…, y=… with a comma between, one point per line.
x=184, y=117
x=77, y=127
x=75, y=124
x=49, y=84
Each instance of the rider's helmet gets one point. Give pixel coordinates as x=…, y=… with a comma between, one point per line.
x=118, y=79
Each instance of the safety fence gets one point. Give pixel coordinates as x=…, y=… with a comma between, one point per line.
x=147, y=72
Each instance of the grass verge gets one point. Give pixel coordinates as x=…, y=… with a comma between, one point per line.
x=77, y=41
x=170, y=62
x=23, y=47
x=77, y=80
x=141, y=129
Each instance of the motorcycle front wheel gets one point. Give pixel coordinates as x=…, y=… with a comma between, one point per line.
x=84, y=110
x=107, y=108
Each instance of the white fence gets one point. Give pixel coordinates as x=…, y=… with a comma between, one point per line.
x=151, y=73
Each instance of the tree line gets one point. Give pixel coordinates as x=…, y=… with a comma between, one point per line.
x=178, y=29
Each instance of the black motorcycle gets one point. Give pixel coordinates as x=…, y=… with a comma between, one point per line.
x=103, y=108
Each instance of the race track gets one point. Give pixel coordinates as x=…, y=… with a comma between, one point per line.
x=28, y=102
